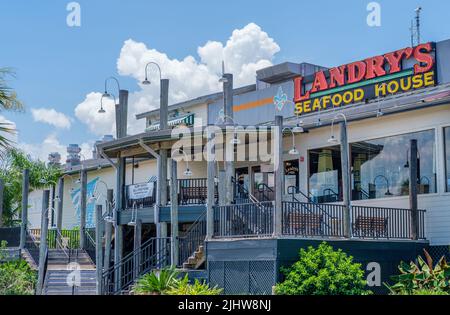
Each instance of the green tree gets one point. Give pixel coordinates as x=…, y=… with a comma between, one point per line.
x=323, y=271
x=8, y=101
x=11, y=171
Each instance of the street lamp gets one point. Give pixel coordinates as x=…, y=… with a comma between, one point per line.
x=388, y=193
x=293, y=150
x=187, y=172
x=101, y=110
x=332, y=139
x=106, y=94
x=235, y=139
x=147, y=81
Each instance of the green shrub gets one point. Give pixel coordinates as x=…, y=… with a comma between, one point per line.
x=197, y=288
x=17, y=278
x=422, y=277
x=323, y=271
x=429, y=292
x=156, y=282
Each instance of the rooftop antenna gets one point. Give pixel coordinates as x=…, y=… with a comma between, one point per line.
x=415, y=29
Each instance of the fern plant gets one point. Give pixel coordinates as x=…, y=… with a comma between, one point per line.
x=156, y=282
x=197, y=288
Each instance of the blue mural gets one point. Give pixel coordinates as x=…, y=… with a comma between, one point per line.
x=90, y=207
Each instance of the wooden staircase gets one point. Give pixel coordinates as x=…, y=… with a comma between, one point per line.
x=196, y=260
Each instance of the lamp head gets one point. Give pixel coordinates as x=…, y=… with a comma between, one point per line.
x=131, y=223
x=146, y=82
x=293, y=151
x=235, y=140
x=332, y=140
x=388, y=193
x=187, y=172
x=223, y=79
x=109, y=219
x=298, y=129
x=106, y=94
x=101, y=110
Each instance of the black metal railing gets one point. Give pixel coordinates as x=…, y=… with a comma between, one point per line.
x=386, y=223
x=310, y=219
x=140, y=203
x=192, y=239
x=264, y=192
x=240, y=193
x=243, y=220
x=90, y=243
x=71, y=238
x=153, y=254
x=194, y=191
x=32, y=245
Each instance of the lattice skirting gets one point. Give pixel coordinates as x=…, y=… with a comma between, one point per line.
x=436, y=252
x=243, y=277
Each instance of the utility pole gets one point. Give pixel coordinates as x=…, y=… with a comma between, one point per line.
x=24, y=223
x=43, y=242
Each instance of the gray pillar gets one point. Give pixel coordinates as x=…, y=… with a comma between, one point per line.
x=123, y=102
x=222, y=188
x=210, y=186
x=164, y=105
x=108, y=230
x=118, y=110
x=43, y=241
x=59, y=213
x=83, y=205
x=174, y=214
x=413, y=179
x=346, y=187
x=118, y=229
x=99, y=248
x=2, y=185
x=279, y=172
x=162, y=226
x=229, y=115
x=136, y=247
x=24, y=224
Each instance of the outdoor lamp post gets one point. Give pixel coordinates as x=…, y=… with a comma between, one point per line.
x=146, y=80
x=187, y=172
x=235, y=140
x=332, y=138
x=388, y=193
x=102, y=110
x=293, y=150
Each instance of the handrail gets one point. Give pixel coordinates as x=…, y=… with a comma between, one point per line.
x=193, y=238
x=266, y=188
x=59, y=238
x=310, y=200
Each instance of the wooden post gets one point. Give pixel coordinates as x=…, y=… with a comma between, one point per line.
x=108, y=230
x=83, y=205
x=162, y=226
x=346, y=187
x=99, y=248
x=24, y=224
x=279, y=175
x=2, y=186
x=211, y=163
x=413, y=179
x=118, y=229
x=229, y=149
x=222, y=188
x=59, y=214
x=137, y=246
x=174, y=214
x=43, y=242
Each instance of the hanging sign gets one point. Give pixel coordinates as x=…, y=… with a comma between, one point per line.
x=367, y=79
x=140, y=191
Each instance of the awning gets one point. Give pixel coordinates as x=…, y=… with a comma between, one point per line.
x=187, y=120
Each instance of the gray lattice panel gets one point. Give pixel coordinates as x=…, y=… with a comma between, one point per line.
x=261, y=277
x=216, y=273
x=436, y=252
x=236, y=277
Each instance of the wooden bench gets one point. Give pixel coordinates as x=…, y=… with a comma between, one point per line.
x=305, y=223
x=370, y=226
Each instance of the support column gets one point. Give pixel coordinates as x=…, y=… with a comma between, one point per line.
x=136, y=247
x=279, y=170
x=413, y=179
x=346, y=186
x=43, y=241
x=211, y=151
x=83, y=205
x=99, y=248
x=24, y=224
x=118, y=229
x=162, y=226
x=229, y=149
x=2, y=186
x=59, y=214
x=108, y=230
x=123, y=103
x=222, y=201
x=174, y=214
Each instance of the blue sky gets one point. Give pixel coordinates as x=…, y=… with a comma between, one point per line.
x=58, y=66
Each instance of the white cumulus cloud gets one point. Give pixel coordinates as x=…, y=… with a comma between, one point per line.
x=51, y=117
x=247, y=50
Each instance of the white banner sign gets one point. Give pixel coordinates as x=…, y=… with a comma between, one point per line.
x=140, y=191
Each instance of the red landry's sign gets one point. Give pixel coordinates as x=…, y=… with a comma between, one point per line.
x=370, y=78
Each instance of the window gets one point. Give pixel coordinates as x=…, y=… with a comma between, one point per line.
x=291, y=178
x=380, y=167
x=447, y=157
x=325, y=175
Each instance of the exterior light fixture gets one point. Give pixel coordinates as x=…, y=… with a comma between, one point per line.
x=133, y=220
x=106, y=94
x=332, y=138
x=223, y=79
x=235, y=139
x=388, y=192
x=146, y=80
x=102, y=110
x=293, y=150
x=109, y=219
x=298, y=129
x=187, y=171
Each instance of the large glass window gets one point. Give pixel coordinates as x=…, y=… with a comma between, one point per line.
x=447, y=157
x=325, y=174
x=380, y=167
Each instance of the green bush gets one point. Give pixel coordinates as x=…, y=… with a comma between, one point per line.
x=197, y=288
x=422, y=278
x=17, y=278
x=156, y=282
x=323, y=271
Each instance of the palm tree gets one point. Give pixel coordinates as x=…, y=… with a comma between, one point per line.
x=9, y=102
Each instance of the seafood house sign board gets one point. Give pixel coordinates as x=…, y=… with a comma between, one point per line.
x=367, y=79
